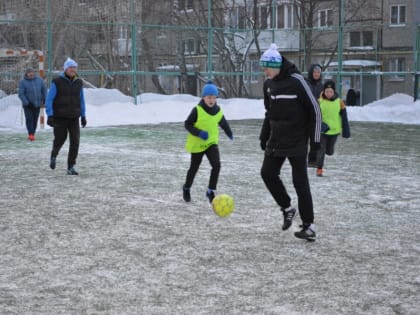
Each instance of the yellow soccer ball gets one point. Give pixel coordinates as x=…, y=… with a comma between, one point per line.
x=223, y=205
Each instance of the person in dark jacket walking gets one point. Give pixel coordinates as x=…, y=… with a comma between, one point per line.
x=32, y=93
x=203, y=137
x=314, y=80
x=292, y=118
x=64, y=106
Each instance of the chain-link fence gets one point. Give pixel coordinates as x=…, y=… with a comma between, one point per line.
x=176, y=46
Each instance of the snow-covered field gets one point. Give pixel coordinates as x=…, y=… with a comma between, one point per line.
x=118, y=239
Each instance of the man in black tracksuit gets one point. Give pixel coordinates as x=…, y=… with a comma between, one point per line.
x=64, y=105
x=292, y=119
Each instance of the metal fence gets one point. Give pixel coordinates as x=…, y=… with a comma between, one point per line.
x=137, y=49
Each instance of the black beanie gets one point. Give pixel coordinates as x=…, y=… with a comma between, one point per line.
x=329, y=84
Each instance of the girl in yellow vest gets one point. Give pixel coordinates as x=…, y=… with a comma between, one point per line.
x=334, y=122
x=203, y=136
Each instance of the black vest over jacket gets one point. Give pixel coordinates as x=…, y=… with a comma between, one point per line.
x=67, y=100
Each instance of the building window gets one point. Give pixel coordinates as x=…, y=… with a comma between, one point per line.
x=325, y=18
x=264, y=17
x=190, y=46
x=261, y=18
x=252, y=71
x=397, y=65
x=361, y=39
x=185, y=5
x=285, y=17
x=398, y=15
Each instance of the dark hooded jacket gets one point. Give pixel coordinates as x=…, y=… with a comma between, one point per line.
x=315, y=85
x=292, y=114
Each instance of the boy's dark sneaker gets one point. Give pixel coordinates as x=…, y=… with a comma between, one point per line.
x=186, y=194
x=288, y=215
x=71, y=171
x=52, y=162
x=307, y=233
x=210, y=195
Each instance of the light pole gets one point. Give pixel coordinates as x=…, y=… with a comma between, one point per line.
x=340, y=45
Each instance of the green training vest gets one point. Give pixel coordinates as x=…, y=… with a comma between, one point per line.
x=331, y=115
x=206, y=122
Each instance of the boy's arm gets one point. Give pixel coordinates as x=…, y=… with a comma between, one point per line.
x=344, y=121
x=189, y=123
x=225, y=126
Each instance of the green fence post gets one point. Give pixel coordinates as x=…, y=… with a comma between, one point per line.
x=133, y=51
x=210, y=40
x=49, y=43
x=417, y=65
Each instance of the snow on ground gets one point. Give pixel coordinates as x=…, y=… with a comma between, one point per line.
x=107, y=107
x=118, y=238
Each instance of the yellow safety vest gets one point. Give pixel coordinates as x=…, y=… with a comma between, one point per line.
x=206, y=122
x=331, y=115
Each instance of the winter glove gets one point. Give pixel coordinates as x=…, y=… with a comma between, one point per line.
x=50, y=121
x=324, y=127
x=83, y=120
x=203, y=135
x=315, y=146
x=231, y=137
x=263, y=144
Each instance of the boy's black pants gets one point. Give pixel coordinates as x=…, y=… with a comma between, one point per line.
x=213, y=156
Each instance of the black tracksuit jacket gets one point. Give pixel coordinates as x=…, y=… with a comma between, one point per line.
x=292, y=114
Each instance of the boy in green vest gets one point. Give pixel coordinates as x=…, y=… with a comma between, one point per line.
x=334, y=122
x=202, y=139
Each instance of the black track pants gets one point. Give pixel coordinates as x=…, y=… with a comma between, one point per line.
x=270, y=173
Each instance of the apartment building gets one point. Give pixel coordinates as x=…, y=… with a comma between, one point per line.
x=167, y=46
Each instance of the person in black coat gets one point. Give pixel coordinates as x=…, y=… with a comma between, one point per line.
x=314, y=80
x=292, y=120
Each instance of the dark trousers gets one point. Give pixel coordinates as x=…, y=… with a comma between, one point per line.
x=62, y=126
x=327, y=147
x=213, y=156
x=270, y=173
x=31, y=118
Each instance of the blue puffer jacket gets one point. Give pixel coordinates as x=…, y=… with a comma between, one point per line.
x=32, y=91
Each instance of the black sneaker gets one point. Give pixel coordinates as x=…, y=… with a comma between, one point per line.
x=210, y=195
x=306, y=233
x=52, y=163
x=72, y=171
x=186, y=194
x=288, y=217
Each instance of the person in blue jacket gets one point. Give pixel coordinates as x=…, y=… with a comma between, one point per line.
x=65, y=104
x=32, y=93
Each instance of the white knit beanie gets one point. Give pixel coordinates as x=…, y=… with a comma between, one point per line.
x=271, y=58
x=69, y=63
